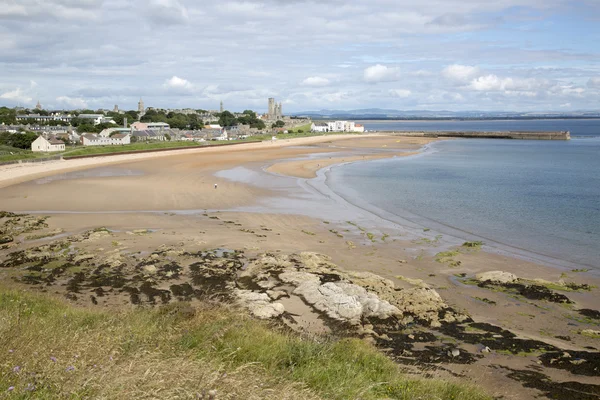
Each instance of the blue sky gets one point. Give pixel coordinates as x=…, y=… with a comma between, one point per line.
x=530, y=55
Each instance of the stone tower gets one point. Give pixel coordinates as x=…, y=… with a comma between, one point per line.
x=280, y=110
x=38, y=106
x=141, y=108
x=271, y=112
x=221, y=108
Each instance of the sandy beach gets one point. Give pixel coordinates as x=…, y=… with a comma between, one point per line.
x=169, y=199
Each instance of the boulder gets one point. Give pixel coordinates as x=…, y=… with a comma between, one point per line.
x=496, y=277
x=259, y=304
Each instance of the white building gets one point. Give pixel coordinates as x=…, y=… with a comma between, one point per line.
x=106, y=132
x=95, y=140
x=150, y=126
x=93, y=118
x=41, y=144
x=319, y=127
x=337, y=126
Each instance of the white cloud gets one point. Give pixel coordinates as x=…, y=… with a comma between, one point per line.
x=18, y=95
x=178, y=83
x=315, y=81
x=381, y=73
x=460, y=73
x=402, y=93
x=490, y=83
x=72, y=102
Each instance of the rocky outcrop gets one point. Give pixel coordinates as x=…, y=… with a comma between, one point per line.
x=496, y=277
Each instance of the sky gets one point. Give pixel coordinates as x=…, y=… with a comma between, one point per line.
x=500, y=55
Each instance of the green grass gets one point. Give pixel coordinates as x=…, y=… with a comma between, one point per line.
x=20, y=154
x=446, y=256
x=90, y=150
x=60, y=351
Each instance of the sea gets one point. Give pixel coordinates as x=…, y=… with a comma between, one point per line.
x=538, y=196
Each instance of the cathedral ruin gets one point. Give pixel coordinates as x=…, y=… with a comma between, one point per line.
x=275, y=110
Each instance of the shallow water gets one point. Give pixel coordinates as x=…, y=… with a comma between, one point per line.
x=535, y=195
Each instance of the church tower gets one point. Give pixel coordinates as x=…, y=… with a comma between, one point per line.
x=221, y=108
x=141, y=108
x=38, y=106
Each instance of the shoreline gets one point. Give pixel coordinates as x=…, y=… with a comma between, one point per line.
x=251, y=214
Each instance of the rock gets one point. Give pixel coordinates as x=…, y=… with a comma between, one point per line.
x=150, y=269
x=486, y=350
x=259, y=304
x=496, y=277
x=344, y=301
x=453, y=353
x=276, y=294
x=5, y=239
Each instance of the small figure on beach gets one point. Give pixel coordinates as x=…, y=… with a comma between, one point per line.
x=215, y=185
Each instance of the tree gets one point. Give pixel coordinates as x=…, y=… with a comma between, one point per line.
x=133, y=139
x=22, y=140
x=8, y=116
x=278, y=124
x=86, y=128
x=227, y=119
x=168, y=137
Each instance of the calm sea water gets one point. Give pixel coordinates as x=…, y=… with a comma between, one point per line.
x=541, y=196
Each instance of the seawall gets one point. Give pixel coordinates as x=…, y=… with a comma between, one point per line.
x=523, y=135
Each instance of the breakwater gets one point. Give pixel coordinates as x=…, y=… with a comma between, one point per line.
x=522, y=135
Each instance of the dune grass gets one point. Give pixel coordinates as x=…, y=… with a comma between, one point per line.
x=50, y=350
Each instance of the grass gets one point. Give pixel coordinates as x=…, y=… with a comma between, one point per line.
x=8, y=153
x=473, y=245
x=446, y=256
x=91, y=150
x=54, y=350
x=308, y=232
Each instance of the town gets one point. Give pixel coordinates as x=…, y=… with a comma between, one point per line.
x=44, y=131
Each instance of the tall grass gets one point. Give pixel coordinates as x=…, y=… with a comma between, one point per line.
x=49, y=349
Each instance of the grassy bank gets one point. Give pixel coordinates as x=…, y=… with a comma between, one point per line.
x=89, y=150
x=53, y=350
x=8, y=153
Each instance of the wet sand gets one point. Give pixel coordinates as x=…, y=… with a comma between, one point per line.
x=168, y=186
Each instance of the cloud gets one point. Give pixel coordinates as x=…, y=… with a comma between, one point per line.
x=170, y=12
x=594, y=82
x=460, y=73
x=178, y=84
x=71, y=102
x=490, y=83
x=315, y=81
x=402, y=93
x=17, y=96
x=381, y=73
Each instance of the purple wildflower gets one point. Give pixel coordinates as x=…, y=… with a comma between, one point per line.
x=30, y=387
x=53, y=359
x=11, y=351
x=11, y=388
x=70, y=368
x=16, y=369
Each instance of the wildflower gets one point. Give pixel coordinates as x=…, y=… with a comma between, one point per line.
x=53, y=359
x=11, y=388
x=30, y=387
x=11, y=351
x=16, y=369
x=70, y=368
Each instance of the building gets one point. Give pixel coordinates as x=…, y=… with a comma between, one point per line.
x=41, y=144
x=44, y=118
x=275, y=111
x=38, y=106
x=215, y=134
x=145, y=135
x=95, y=119
x=221, y=107
x=106, y=132
x=337, y=126
x=152, y=126
x=141, y=109
x=92, y=139
x=319, y=127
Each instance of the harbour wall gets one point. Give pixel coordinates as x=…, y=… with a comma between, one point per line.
x=523, y=135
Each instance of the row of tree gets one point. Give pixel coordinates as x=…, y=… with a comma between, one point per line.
x=175, y=120
x=18, y=140
x=248, y=117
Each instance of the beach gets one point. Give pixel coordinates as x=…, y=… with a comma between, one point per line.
x=269, y=198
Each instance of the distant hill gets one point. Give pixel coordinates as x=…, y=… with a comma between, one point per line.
x=379, y=113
